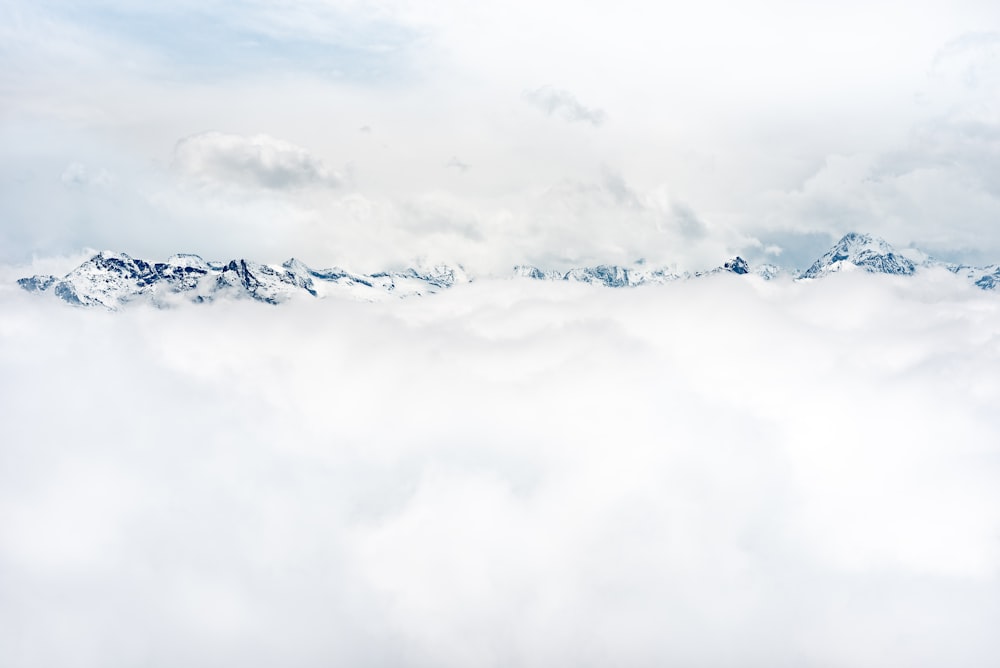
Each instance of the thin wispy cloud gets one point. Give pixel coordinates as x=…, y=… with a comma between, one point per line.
x=208, y=40
x=563, y=104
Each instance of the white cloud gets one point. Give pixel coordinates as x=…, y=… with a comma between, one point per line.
x=511, y=472
x=258, y=161
x=562, y=103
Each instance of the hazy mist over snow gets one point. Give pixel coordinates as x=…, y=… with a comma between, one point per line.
x=721, y=471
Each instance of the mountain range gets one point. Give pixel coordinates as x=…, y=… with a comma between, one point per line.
x=112, y=280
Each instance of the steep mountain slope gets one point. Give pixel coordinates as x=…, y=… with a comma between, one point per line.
x=861, y=251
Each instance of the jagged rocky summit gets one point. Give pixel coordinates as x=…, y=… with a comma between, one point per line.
x=871, y=254
x=112, y=280
x=864, y=251
x=617, y=276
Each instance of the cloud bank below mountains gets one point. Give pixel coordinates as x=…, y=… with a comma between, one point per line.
x=512, y=472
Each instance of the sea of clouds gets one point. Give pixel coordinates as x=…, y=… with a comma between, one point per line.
x=717, y=472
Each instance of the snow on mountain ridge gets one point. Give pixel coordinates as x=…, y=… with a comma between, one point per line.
x=869, y=253
x=112, y=279
x=617, y=276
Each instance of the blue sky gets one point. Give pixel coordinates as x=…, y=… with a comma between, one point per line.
x=219, y=41
x=556, y=134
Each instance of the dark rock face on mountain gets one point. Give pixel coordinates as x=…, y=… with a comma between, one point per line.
x=37, y=283
x=737, y=265
x=989, y=281
x=262, y=282
x=864, y=251
x=986, y=278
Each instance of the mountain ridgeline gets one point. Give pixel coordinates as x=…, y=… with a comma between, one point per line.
x=112, y=280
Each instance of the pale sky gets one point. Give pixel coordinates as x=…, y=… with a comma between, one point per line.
x=372, y=134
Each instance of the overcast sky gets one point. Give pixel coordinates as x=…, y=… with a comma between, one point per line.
x=557, y=133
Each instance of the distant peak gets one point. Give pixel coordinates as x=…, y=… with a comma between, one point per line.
x=852, y=237
x=871, y=254
x=737, y=265
x=185, y=260
x=111, y=255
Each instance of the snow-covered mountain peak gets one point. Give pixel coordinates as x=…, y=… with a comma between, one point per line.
x=440, y=275
x=864, y=251
x=187, y=260
x=112, y=280
x=531, y=271
x=296, y=265
x=737, y=266
x=768, y=271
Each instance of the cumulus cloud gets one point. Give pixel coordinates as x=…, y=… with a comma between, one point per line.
x=508, y=473
x=562, y=103
x=258, y=161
